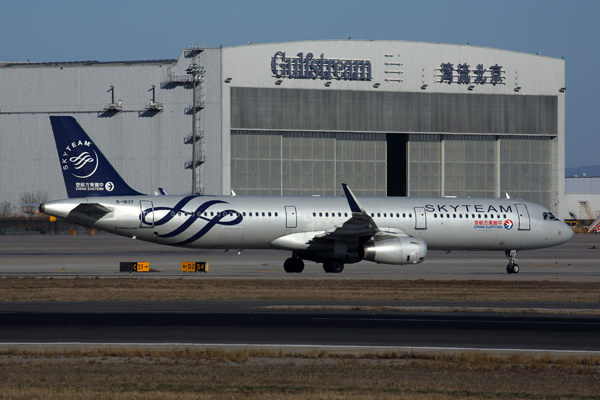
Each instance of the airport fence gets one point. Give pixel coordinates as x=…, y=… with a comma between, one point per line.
x=22, y=226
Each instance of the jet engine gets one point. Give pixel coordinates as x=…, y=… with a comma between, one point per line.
x=398, y=251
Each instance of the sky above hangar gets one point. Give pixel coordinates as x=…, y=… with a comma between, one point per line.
x=125, y=30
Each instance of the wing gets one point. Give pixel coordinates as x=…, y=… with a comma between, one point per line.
x=359, y=228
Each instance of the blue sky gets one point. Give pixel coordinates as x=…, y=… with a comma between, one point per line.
x=143, y=30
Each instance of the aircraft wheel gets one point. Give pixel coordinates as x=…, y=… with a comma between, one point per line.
x=515, y=269
x=509, y=269
x=298, y=265
x=333, y=265
x=288, y=265
x=293, y=265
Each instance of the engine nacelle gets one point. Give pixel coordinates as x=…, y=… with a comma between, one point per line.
x=398, y=251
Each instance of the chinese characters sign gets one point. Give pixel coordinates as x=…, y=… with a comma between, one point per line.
x=464, y=74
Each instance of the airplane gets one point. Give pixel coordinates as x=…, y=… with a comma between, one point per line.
x=333, y=231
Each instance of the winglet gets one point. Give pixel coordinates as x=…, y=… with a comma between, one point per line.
x=352, y=201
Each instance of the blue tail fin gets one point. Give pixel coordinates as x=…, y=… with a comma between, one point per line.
x=85, y=169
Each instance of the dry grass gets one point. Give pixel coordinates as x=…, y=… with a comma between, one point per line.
x=258, y=374
x=128, y=289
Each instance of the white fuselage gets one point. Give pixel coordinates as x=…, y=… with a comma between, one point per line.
x=257, y=222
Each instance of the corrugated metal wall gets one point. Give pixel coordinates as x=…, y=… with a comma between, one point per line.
x=146, y=148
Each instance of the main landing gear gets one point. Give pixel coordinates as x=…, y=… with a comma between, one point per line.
x=512, y=267
x=293, y=265
x=333, y=265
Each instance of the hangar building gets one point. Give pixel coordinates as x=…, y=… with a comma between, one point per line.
x=391, y=118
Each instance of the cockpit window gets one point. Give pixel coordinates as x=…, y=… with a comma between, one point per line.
x=550, y=216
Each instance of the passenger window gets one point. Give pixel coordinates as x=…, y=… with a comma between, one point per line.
x=314, y=214
x=485, y=216
x=453, y=215
x=441, y=215
x=409, y=215
x=434, y=215
x=345, y=214
x=244, y=213
x=269, y=214
x=372, y=215
x=320, y=214
x=275, y=214
x=403, y=215
x=378, y=215
x=459, y=215
x=478, y=215
x=447, y=215
x=211, y=214
x=504, y=215
x=263, y=214
x=397, y=215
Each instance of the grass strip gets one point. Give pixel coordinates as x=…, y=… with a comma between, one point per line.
x=135, y=289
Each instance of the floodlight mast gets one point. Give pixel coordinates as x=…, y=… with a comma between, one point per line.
x=195, y=71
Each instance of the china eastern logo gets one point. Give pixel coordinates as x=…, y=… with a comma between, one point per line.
x=508, y=224
x=80, y=159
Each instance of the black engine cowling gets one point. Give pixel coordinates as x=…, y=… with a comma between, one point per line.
x=398, y=251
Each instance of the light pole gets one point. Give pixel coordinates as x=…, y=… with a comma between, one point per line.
x=194, y=70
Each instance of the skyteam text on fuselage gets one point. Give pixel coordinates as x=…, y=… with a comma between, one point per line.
x=329, y=230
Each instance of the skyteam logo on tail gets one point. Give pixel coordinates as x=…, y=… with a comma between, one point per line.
x=80, y=159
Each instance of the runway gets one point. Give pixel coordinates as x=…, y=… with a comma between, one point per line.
x=235, y=324
x=240, y=323
x=100, y=255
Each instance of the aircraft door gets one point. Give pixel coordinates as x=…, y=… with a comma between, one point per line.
x=524, y=222
x=147, y=214
x=290, y=217
x=420, y=219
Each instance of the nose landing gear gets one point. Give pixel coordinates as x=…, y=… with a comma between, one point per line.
x=512, y=267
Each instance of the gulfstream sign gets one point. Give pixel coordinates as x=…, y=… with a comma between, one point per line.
x=309, y=67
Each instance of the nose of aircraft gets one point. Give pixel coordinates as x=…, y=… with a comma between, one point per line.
x=565, y=232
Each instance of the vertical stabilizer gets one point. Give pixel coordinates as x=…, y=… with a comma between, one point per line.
x=85, y=169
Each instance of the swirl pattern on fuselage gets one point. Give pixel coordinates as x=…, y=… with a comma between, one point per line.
x=194, y=216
